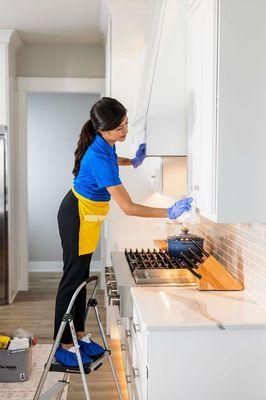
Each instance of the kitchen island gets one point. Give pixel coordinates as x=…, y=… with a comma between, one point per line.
x=179, y=343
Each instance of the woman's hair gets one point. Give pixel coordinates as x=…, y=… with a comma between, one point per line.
x=106, y=114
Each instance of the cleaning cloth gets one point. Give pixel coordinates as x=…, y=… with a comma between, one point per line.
x=4, y=340
x=19, y=344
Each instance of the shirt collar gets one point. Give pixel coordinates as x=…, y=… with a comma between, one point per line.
x=101, y=144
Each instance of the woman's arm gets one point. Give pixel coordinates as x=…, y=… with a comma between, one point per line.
x=121, y=196
x=122, y=161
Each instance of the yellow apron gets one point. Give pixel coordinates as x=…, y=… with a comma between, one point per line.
x=91, y=214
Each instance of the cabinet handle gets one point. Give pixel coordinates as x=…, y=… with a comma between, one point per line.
x=195, y=187
x=135, y=372
x=128, y=333
x=128, y=378
x=136, y=327
x=123, y=347
x=111, y=296
x=118, y=322
x=116, y=302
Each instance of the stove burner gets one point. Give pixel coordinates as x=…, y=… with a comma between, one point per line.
x=156, y=260
x=151, y=259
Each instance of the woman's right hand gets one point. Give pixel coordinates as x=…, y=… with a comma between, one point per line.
x=179, y=207
x=140, y=155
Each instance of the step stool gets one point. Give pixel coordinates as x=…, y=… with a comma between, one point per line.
x=82, y=369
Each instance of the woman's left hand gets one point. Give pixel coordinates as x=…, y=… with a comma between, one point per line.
x=140, y=155
x=179, y=207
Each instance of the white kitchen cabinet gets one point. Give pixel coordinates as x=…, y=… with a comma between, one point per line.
x=181, y=343
x=226, y=116
x=160, y=110
x=197, y=346
x=202, y=105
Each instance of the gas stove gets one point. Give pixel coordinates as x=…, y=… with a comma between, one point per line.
x=158, y=267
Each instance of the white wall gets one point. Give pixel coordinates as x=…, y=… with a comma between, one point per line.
x=61, y=60
x=54, y=123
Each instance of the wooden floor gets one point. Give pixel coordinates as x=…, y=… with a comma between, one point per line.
x=34, y=311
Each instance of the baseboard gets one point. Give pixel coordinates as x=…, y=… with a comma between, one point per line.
x=57, y=266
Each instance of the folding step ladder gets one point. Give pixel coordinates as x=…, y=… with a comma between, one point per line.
x=82, y=369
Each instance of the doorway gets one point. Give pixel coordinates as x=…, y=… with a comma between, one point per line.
x=54, y=121
x=51, y=112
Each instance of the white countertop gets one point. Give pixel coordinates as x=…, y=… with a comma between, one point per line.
x=135, y=244
x=168, y=309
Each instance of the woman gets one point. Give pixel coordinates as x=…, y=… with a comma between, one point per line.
x=84, y=208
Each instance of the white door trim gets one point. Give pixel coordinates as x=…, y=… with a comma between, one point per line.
x=37, y=85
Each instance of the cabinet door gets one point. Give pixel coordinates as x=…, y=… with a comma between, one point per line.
x=202, y=62
x=154, y=27
x=208, y=140
x=194, y=102
x=166, y=117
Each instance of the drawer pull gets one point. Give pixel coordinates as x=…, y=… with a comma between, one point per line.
x=118, y=322
x=128, y=333
x=128, y=378
x=111, y=296
x=123, y=347
x=116, y=302
x=136, y=327
x=135, y=372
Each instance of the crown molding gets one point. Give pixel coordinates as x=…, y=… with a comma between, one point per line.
x=5, y=35
x=10, y=36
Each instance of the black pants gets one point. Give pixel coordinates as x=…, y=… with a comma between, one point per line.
x=76, y=268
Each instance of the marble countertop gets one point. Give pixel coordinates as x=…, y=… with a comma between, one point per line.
x=135, y=244
x=173, y=308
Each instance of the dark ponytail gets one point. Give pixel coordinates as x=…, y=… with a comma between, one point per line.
x=106, y=114
x=86, y=138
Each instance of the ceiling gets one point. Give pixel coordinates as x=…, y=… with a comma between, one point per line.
x=53, y=21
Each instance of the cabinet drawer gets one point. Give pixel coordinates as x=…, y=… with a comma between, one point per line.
x=139, y=372
x=126, y=350
x=138, y=332
x=127, y=339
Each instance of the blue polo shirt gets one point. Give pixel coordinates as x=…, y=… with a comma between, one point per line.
x=98, y=169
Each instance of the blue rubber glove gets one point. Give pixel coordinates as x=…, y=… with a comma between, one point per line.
x=140, y=155
x=179, y=207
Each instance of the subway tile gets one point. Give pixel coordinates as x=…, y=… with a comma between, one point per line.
x=241, y=248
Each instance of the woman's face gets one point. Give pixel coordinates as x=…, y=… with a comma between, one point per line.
x=118, y=134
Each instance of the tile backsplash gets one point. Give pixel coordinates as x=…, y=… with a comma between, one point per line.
x=242, y=249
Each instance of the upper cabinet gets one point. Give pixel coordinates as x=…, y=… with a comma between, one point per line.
x=226, y=109
x=160, y=108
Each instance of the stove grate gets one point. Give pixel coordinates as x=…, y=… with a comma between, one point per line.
x=152, y=259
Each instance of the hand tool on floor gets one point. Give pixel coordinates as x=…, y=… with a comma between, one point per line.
x=82, y=369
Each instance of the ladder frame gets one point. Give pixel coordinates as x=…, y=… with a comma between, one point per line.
x=58, y=388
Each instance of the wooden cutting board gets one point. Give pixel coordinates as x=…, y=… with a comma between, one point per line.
x=161, y=244
x=214, y=275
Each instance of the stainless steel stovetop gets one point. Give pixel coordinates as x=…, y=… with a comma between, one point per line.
x=157, y=267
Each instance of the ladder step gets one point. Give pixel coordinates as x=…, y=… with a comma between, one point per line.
x=53, y=390
x=88, y=367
